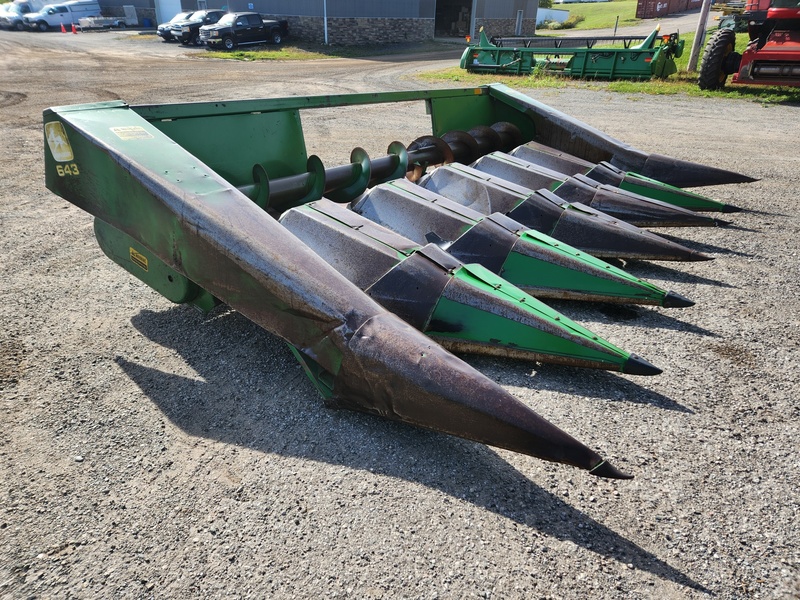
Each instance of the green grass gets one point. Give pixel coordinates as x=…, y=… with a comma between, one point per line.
x=680, y=83
x=272, y=53
x=308, y=51
x=601, y=15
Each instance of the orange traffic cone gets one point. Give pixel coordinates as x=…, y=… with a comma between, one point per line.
x=75, y=31
x=62, y=29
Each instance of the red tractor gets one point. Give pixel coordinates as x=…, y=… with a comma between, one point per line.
x=772, y=57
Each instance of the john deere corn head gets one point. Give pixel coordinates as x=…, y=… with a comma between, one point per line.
x=598, y=58
x=372, y=270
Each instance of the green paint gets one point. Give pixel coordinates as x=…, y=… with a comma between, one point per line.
x=594, y=277
x=321, y=378
x=554, y=334
x=670, y=194
x=643, y=61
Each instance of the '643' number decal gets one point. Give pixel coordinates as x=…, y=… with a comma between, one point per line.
x=69, y=169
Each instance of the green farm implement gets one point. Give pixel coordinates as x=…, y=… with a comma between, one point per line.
x=586, y=58
x=369, y=274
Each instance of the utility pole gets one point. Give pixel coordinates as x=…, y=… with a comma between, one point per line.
x=325, y=20
x=699, y=36
x=472, y=20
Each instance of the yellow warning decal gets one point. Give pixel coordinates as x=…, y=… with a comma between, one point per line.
x=138, y=259
x=132, y=132
x=58, y=142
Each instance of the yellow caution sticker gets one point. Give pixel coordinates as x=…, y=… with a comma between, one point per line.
x=58, y=142
x=138, y=259
x=132, y=132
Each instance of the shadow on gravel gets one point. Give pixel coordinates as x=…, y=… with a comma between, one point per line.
x=648, y=270
x=742, y=228
x=768, y=213
x=588, y=383
x=703, y=246
x=620, y=314
x=251, y=394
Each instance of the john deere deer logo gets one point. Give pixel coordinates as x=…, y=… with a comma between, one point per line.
x=58, y=142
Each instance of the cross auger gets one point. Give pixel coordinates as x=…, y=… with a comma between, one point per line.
x=198, y=223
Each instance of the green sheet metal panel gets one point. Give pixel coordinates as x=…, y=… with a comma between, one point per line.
x=611, y=64
x=670, y=194
x=481, y=325
x=232, y=144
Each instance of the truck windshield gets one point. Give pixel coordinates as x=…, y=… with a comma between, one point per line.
x=226, y=20
x=180, y=17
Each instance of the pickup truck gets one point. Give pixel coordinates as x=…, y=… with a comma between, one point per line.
x=235, y=29
x=164, y=30
x=12, y=16
x=186, y=32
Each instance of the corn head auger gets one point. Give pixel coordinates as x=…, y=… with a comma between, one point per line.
x=586, y=58
x=198, y=223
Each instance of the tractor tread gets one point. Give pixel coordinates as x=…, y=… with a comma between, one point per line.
x=712, y=73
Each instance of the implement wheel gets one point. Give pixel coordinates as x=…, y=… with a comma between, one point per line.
x=716, y=64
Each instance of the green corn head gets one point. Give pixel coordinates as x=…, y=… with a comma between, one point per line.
x=598, y=60
x=198, y=223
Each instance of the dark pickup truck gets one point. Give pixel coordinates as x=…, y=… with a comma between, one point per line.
x=235, y=29
x=186, y=32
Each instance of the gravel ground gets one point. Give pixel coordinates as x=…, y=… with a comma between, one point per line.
x=148, y=451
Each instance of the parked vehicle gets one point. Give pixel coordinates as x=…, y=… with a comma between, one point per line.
x=187, y=31
x=235, y=29
x=771, y=57
x=55, y=15
x=13, y=15
x=164, y=30
x=3, y=11
x=107, y=22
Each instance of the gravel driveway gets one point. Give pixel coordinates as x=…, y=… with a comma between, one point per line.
x=147, y=451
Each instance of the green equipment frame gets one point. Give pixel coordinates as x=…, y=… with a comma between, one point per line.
x=653, y=57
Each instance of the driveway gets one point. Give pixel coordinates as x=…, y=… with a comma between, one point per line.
x=149, y=451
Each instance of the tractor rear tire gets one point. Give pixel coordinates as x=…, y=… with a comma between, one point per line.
x=712, y=71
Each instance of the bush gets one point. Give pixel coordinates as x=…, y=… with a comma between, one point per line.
x=570, y=23
x=545, y=3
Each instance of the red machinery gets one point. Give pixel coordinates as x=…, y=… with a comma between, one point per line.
x=772, y=57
